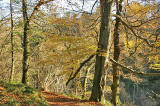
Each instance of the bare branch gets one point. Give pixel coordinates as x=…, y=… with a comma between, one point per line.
x=40, y=3
x=78, y=70
x=144, y=22
x=134, y=33
x=133, y=71
x=93, y=6
x=94, y=23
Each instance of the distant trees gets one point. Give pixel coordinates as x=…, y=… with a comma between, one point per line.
x=61, y=50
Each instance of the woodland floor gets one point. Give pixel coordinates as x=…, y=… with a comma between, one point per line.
x=55, y=99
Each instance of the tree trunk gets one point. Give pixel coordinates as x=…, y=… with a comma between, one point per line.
x=116, y=75
x=103, y=44
x=25, y=42
x=26, y=21
x=12, y=53
x=84, y=86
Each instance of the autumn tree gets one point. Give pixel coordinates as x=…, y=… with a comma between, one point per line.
x=116, y=73
x=12, y=45
x=103, y=50
x=26, y=20
x=117, y=53
x=138, y=19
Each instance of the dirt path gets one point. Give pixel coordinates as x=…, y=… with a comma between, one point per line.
x=55, y=99
x=61, y=100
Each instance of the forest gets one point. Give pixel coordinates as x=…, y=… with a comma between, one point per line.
x=89, y=52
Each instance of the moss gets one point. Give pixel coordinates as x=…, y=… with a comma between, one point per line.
x=16, y=93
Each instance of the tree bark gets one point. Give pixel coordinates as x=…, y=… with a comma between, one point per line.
x=116, y=75
x=25, y=42
x=103, y=46
x=26, y=21
x=84, y=86
x=12, y=51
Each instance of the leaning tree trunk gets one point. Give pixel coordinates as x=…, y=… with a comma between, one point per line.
x=116, y=75
x=12, y=51
x=84, y=86
x=103, y=44
x=25, y=42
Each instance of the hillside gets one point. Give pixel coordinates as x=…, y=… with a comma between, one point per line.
x=71, y=52
x=19, y=94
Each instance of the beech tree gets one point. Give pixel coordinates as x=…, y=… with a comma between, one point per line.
x=139, y=14
x=99, y=73
x=115, y=72
x=12, y=45
x=103, y=50
x=26, y=21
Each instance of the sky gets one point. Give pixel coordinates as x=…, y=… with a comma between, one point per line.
x=3, y=3
x=61, y=3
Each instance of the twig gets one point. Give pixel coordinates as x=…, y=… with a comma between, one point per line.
x=93, y=6
x=134, y=33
